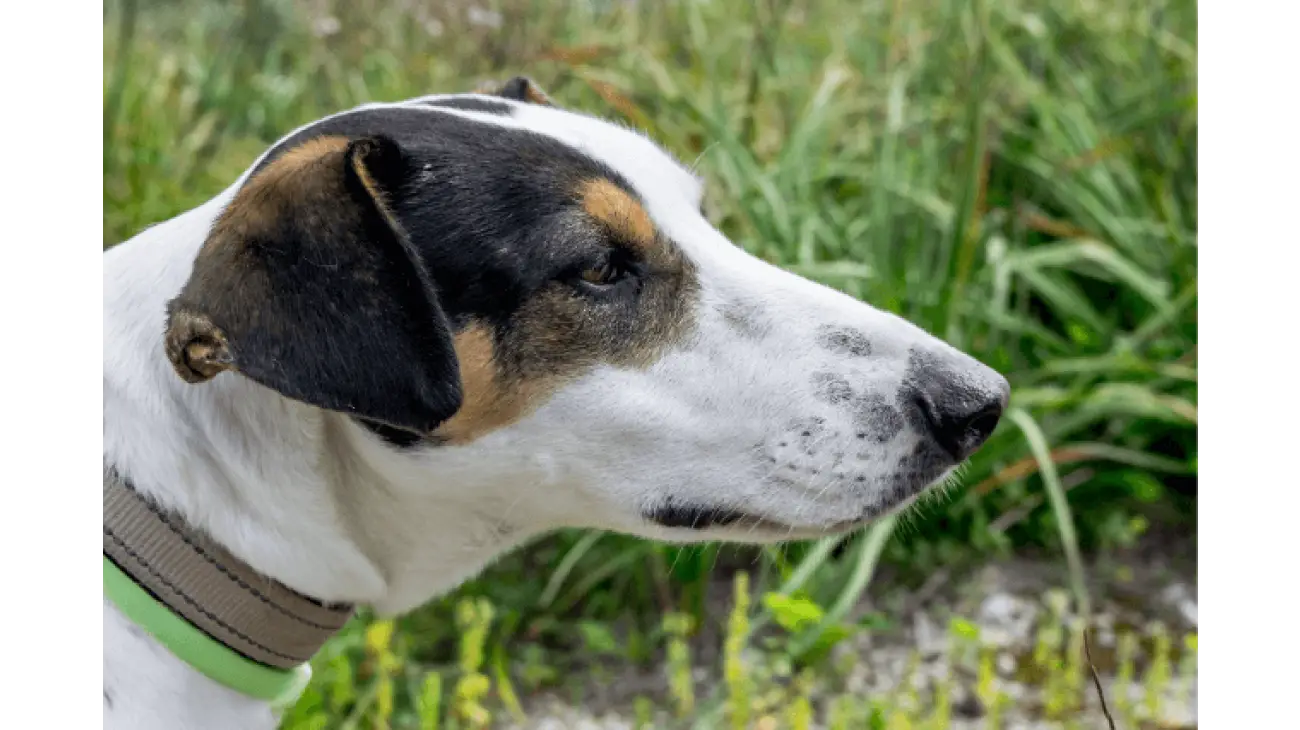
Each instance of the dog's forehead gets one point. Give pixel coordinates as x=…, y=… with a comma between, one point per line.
x=501, y=153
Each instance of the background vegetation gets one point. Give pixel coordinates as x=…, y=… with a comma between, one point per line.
x=1018, y=177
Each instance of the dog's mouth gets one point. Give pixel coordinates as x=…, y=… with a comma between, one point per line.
x=730, y=523
x=727, y=523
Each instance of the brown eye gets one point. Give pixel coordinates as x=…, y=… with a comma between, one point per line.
x=603, y=274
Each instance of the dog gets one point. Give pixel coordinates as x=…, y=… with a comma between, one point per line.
x=413, y=336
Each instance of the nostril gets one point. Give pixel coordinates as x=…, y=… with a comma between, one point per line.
x=982, y=423
x=960, y=431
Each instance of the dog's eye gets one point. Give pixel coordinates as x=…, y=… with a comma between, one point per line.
x=607, y=272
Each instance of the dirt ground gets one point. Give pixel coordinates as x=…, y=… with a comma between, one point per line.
x=1009, y=600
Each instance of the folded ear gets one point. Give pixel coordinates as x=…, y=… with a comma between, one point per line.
x=519, y=88
x=308, y=285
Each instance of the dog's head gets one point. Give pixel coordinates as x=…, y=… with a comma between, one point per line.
x=492, y=287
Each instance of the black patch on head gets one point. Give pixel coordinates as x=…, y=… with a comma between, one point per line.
x=876, y=419
x=471, y=104
x=691, y=516
x=832, y=388
x=489, y=210
x=490, y=216
x=844, y=341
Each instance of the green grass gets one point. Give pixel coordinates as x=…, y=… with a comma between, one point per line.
x=1017, y=177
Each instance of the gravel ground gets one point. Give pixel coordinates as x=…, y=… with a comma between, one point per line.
x=1006, y=600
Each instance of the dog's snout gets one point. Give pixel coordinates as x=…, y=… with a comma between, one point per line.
x=960, y=406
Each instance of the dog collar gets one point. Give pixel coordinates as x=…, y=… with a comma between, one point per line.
x=236, y=626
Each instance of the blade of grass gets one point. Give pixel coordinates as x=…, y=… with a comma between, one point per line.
x=1060, y=504
x=566, y=566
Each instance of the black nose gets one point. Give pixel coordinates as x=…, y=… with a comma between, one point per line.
x=961, y=412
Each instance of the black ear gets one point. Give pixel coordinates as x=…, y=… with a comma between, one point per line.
x=519, y=88
x=308, y=285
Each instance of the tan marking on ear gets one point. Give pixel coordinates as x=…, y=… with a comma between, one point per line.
x=261, y=199
x=368, y=182
x=372, y=188
x=297, y=159
x=491, y=398
x=535, y=95
x=614, y=208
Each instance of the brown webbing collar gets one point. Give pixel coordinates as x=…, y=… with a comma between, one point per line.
x=201, y=581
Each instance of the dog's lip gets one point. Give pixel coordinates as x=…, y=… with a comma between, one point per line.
x=738, y=523
x=771, y=527
x=744, y=523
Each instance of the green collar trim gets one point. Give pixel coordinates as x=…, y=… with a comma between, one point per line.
x=280, y=687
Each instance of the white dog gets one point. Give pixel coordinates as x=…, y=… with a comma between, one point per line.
x=452, y=324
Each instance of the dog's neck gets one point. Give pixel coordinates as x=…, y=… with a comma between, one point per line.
x=306, y=497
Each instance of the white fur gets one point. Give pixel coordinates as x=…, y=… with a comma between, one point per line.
x=320, y=504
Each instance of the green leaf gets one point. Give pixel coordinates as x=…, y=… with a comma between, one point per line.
x=963, y=629
x=793, y=613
